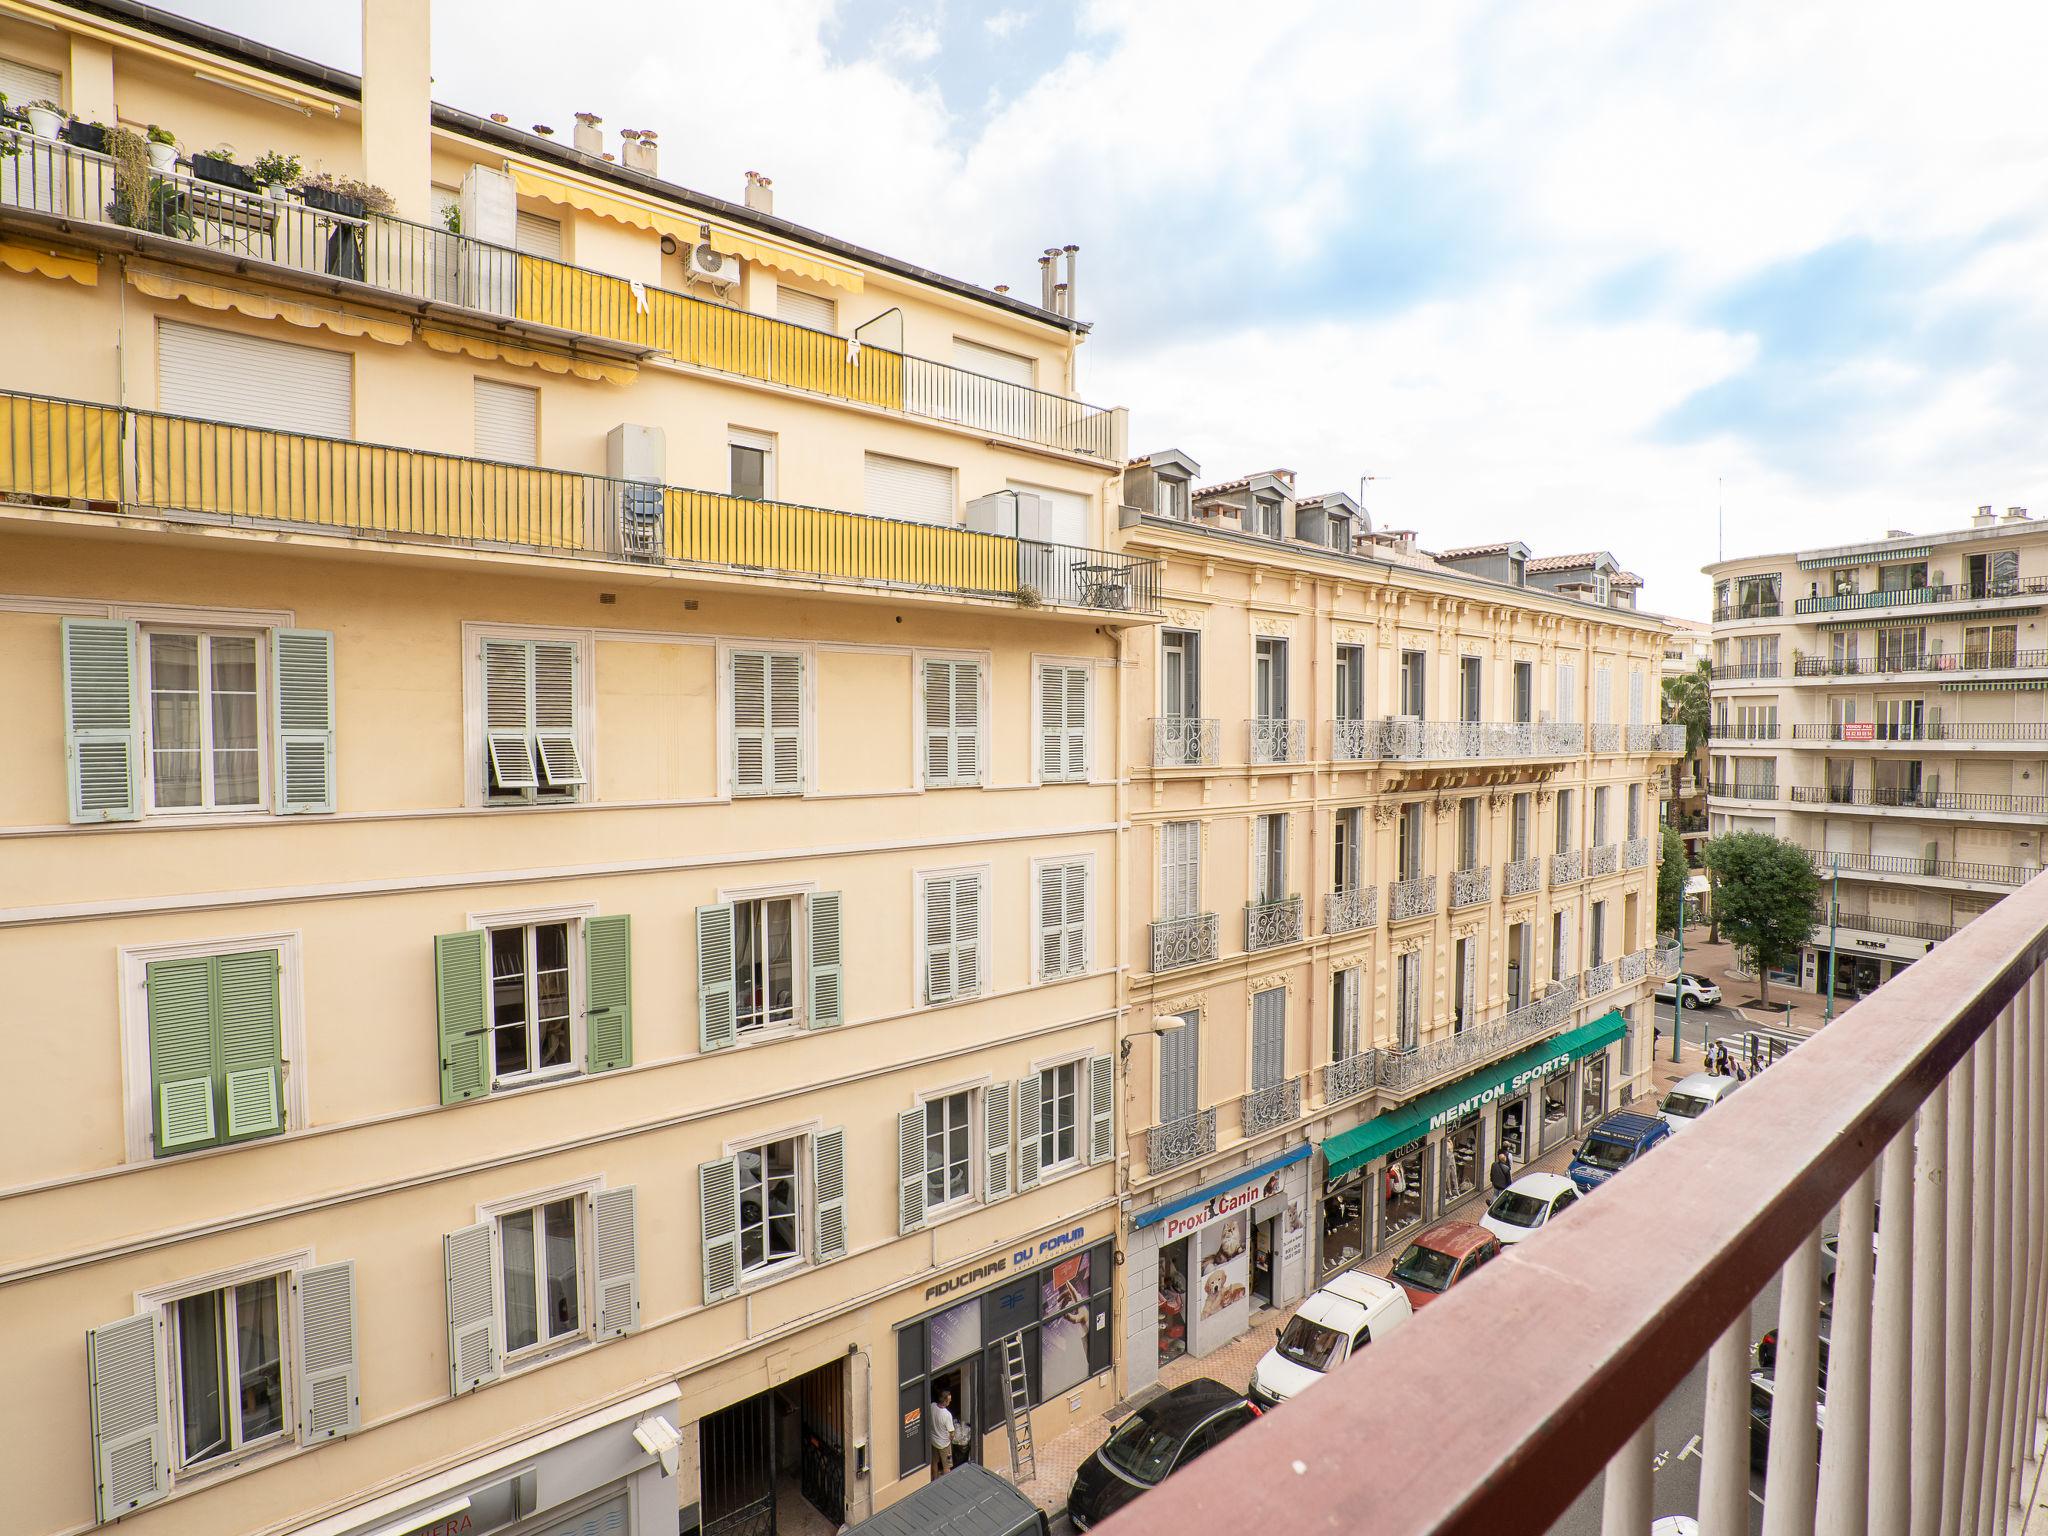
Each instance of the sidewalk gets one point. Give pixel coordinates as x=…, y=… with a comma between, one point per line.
x=1714, y=961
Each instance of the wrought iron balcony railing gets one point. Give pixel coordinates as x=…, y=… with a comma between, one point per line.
x=1180, y=1141
x=1181, y=741
x=1990, y=659
x=1666, y=959
x=1743, y=791
x=1269, y=1108
x=1926, y=730
x=1522, y=876
x=1279, y=741
x=1179, y=941
x=1670, y=738
x=1599, y=979
x=1744, y=672
x=1429, y=741
x=1602, y=859
x=1567, y=867
x=1633, y=966
x=1911, y=864
x=1411, y=898
x=463, y=279
x=1407, y=1072
x=1357, y=741
x=1960, y=592
x=1898, y=927
x=1642, y=738
x=1755, y=608
x=1559, y=738
x=1349, y=911
x=124, y=461
x=1726, y=732
x=1348, y=1078
x=1921, y=800
x=1471, y=887
x=1606, y=738
x=1635, y=853
x=1267, y=923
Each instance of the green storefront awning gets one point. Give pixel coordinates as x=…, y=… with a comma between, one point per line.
x=1397, y=1127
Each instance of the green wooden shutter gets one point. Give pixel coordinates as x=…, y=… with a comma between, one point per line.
x=131, y=1434
x=718, y=1213
x=472, y=1308
x=608, y=992
x=102, y=743
x=828, y=1173
x=996, y=1127
x=302, y=710
x=181, y=1055
x=330, y=1400
x=251, y=1043
x=828, y=1007
x=1101, y=1109
x=462, y=1000
x=910, y=1170
x=618, y=1260
x=717, y=1013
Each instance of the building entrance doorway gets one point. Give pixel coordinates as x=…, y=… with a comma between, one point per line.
x=963, y=1380
x=775, y=1464
x=1265, y=1260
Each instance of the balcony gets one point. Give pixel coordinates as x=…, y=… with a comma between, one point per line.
x=1357, y=741
x=1602, y=859
x=1666, y=960
x=1180, y=1141
x=1599, y=980
x=1348, y=1078
x=129, y=461
x=1179, y=941
x=1995, y=659
x=1349, y=911
x=1744, y=672
x=1521, y=877
x=1444, y=741
x=1471, y=887
x=1411, y=898
x=1753, y=608
x=1642, y=738
x=1933, y=1407
x=1633, y=966
x=1883, y=733
x=1719, y=791
x=1912, y=864
x=1743, y=732
x=1606, y=738
x=1898, y=927
x=1635, y=853
x=1271, y=923
x=1670, y=738
x=1567, y=867
x=1408, y=1072
x=465, y=280
x=1922, y=800
x=1959, y=592
x=1269, y=1108
x=1278, y=741
x=1180, y=741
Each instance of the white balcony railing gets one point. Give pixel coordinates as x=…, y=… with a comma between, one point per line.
x=1471, y=887
x=1567, y=867
x=1178, y=941
x=1349, y=911
x=1411, y=898
x=1181, y=741
x=1268, y=923
x=1522, y=876
x=1635, y=853
x=1279, y=741
x=1602, y=859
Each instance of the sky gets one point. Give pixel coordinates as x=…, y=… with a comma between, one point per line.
x=1658, y=278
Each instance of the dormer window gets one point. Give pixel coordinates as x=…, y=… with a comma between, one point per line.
x=1517, y=576
x=1266, y=518
x=1340, y=534
x=1600, y=589
x=1172, y=499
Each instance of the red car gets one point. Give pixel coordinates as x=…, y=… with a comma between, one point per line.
x=1447, y=1253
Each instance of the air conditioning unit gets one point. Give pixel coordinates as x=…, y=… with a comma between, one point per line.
x=702, y=264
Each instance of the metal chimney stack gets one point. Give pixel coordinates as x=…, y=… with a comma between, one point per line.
x=1048, y=274
x=1067, y=307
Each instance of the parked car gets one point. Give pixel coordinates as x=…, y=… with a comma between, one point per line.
x=970, y=1500
x=1444, y=1255
x=1527, y=1204
x=1689, y=991
x=1691, y=1097
x=1154, y=1443
x=1763, y=1389
x=1333, y=1325
x=1612, y=1145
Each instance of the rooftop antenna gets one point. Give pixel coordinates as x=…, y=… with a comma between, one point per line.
x=1720, y=526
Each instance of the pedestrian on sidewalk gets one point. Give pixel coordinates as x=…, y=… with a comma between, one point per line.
x=942, y=1433
x=1502, y=1173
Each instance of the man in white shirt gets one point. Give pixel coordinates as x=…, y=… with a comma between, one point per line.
x=942, y=1433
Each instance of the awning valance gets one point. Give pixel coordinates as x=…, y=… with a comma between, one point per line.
x=687, y=229
x=2006, y=685
x=46, y=261
x=1865, y=557
x=162, y=283
x=492, y=351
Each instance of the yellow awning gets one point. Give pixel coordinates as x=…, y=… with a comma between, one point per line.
x=491, y=351
x=50, y=262
x=685, y=229
x=162, y=283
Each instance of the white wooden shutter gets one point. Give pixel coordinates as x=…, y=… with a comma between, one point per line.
x=749, y=723
x=910, y=1170
x=993, y=364
x=131, y=1434
x=330, y=1399
x=996, y=1130
x=938, y=938
x=1603, y=696
x=1411, y=977
x=967, y=753
x=717, y=1006
x=828, y=1182
x=910, y=491
x=507, y=422
x=1567, y=693
x=508, y=713
x=102, y=741
x=253, y=381
x=554, y=713
x=1062, y=919
x=1101, y=1109
x=302, y=702
x=828, y=1006
x=1635, y=698
x=537, y=235
x=718, y=1213
x=1354, y=983
x=785, y=722
x=616, y=1216
x=1062, y=724
x=966, y=935
x=1180, y=868
x=1261, y=870
x=952, y=723
x=1028, y=1112
x=813, y=311
x=472, y=1308
x=1468, y=982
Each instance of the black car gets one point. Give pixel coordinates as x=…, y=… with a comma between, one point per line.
x=1153, y=1443
x=1763, y=1395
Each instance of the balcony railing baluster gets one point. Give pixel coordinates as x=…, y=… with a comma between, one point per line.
x=1178, y=941
x=1270, y=923
x=1180, y=741
x=1180, y=1141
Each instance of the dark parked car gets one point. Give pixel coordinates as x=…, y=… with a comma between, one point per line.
x=970, y=1500
x=1612, y=1145
x=1152, y=1444
x=1763, y=1390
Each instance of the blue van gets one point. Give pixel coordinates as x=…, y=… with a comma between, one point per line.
x=1612, y=1145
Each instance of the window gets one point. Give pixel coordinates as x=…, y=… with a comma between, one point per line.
x=813, y=311
x=1350, y=682
x=768, y=962
x=1559, y=937
x=1180, y=869
x=216, y=1049
x=1600, y=798
x=1180, y=1069
x=1266, y=517
x=532, y=741
x=1900, y=720
x=1468, y=832
x=953, y=749
x=1347, y=833
x=1408, y=1000
x=951, y=906
x=1269, y=1037
x=767, y=723
x=1990, y=645
x=1469, y=703
x=1063, y=723
x=1635, y=811
x=1520, y=825
x=1899, y=578
x=204, y=732
x=948, y=1150
x=1408, y=849
x=1756, y=597
x=770, y=1207
x=1061, y=919
x=1344, y=990
x=540, y=1275
x=522, y=998
x=1567, y=693
x=1525, y=692
x=1269, y=858
x=752, y=456
x=507, y=422
x=1269, y=678
x=1414, y=684
x=1463, y=985
x=1603, y=696
x=1172, y=498
x=1596, y=934
x=227, y=1373
x=1899, y=650
x=764, y=963
x=252, y=381
x=1564, y=821
x=530, y=1008
x=1058, y=1111
x=1180, y=674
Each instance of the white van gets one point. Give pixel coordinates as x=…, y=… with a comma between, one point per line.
x=1333, y=1325
x=1693, y=1096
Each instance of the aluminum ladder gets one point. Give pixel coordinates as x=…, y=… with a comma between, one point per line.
x=1017, y=1411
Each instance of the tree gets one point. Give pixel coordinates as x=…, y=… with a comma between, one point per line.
x=1688, y=701
x=1767, y=898
x=1671, y=874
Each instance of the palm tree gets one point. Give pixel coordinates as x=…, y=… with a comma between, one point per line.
x=1688, y=701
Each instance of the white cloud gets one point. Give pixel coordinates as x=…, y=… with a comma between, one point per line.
x=1005, y=22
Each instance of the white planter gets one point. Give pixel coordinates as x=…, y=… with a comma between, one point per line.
x=162, y=156
x=44, y=123
x=275, y=191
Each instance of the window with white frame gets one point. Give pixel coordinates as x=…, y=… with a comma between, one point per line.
x=540, y=1275
x=1059, y=1107
x=1468, y=832
x=948, y=1150
x=767, y=723
x=1180, y=869
x=950, y=907
x=1600, y=798
x=1269, y=678
x=1344, y=991
x=1408, y=1000
x=764, y=963
x=771, y=1195
x=1519, y=821
x=1350, y=682
x=954, y=744
x=1347, y=836
x=205, y=720
x=1063, y=722
x=1560, y=938
x=227, y=1370
x=773, y=1206
x=532, y=731
x=1409, y=841
x=1269, y=858
x=1061, y=919
x=1596, y=935
x=1564, y=821
x=527, y=997
x=532, y=1014
x=1415, y=684
x=752, y=463
x=768, y=961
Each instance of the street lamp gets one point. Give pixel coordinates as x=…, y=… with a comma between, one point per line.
x=1827, y=1015
x=1678, y=981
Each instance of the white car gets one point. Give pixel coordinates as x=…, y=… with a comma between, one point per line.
x=1531, y=1202
x=1693, y=1096
x=1689, y=991
x=1333, y=1325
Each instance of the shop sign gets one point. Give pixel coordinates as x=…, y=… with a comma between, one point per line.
x=1485, y=1096
x=996, y=1266
x=1218, y=1206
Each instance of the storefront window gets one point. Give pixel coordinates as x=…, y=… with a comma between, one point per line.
x=1402, y=1208
x=1514, y=1117
x=1063, y=1326
x=1593, y=1090
x=1557, y=1118
x=1460, y=1161
x=1343, y=1222
x=1173, y=1301
x=956, y=1333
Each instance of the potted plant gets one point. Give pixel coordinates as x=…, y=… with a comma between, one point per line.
x=85, y=135
x=350, y=200
x=163, y=148
x=219, y=168
x=275, y=172
x=44, y=119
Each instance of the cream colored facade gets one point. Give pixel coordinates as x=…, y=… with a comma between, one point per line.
x=513, y=911
x=1349, y=764
x=1879, y=704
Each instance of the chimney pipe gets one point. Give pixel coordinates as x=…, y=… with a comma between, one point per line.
x=1059, y=298
x=637, y=149
x=589, y=135
x=759, y=197
x=2016, y=514
x=1045, y=280
x=1069, y=310
x=1983, y=519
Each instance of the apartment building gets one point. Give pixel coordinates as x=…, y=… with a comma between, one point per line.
x=558, y=832
x=1391, y=884
x=1880, y=705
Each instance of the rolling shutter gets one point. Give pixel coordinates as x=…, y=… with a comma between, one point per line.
x=828, y=1173
x=996, y=1129
x=910, y=1170
x=472, y=1308
x=827, y=1010
x=537, y=235
x=252, y=381
x=952, y=723
x=1028, y=1111
x=812, y=311
x=993, y=364
x=718, y=1206
x=1269, y=1037
x=131, y=1436
x=330, y=1399
x=102, y=741
x=608, y=992
x=1101, y=1109
x=615, y=1213
x=910, y=491
x=462, y=1009
x=24, y=83
x=302, y=681
x=507, y=422
x=717, y=1019
x=1062, y=724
